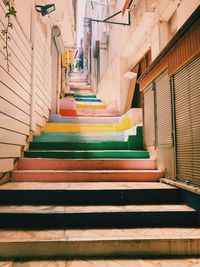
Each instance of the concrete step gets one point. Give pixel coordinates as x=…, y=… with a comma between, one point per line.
x=124, y=124
x=88, y=154
x=86, y=99
x=86, y=175
x=73, y=137
x=109, y=112
x=86, y=164
x=99, y=193
x=88, y=262
x=101, y=243
x=98, y=216
x=64, y=119
x=83, y=146
x=83, y=96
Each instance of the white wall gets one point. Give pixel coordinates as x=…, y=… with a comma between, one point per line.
x=151, y=22
x=15, y=94
x=25, y=90
x=41, y=83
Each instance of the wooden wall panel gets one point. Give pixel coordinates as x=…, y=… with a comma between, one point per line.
x=41, y=100
x=6, y=165
x=9, y=137
x=15, y=94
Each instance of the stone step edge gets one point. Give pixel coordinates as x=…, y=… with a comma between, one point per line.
x=74, y=248
x=89, y=171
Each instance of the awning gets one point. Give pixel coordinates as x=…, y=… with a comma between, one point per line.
x=126, y=5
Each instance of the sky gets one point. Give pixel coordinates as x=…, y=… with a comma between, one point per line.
x=80, y=16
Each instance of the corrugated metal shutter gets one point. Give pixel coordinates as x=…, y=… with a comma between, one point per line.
x=163, y=110
x=149, y=120
x=187, y=119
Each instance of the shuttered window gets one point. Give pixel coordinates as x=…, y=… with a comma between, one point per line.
x=149, y=122
x=163, y=110
x=187, y=120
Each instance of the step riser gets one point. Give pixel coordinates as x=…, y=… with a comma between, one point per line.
x=59, y=119
x=79, y=146
x=86, y=154
x=101, y=249
x=85, y=177
x=84, y=146
x=69, y=137
x=90, y=197
x=88, y=100
x=59, y=164
x=97, y=220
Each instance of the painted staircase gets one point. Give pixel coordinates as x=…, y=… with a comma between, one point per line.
x=83, y=189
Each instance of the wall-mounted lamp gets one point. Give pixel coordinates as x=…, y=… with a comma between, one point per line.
x=130, y=75
x=44, y=10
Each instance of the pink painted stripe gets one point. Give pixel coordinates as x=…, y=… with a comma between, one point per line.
x=78, y=81
x=86, y=176
x=86, y=164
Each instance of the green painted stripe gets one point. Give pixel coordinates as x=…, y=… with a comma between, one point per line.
x=78, y=137
x=79, y=146
x=84, y=96
x=86, y=154
x=136, y=141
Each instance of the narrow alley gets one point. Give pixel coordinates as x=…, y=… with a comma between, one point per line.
x=99, y=133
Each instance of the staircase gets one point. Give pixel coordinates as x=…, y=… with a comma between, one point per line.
x=82, y=191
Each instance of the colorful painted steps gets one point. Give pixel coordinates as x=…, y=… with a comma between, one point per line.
x=93, y=112
x=134, y=142
x=78, y=137
x=67, y=103
x=78, y=81
x=84, y=96
x=91, y=105
x=64, y=119
x=86, y=154
x=85, y=146
x=86, y=175
x=86, y=99
x=85, y=164
x=81, y=89
x=84, y=127
x=68, y=112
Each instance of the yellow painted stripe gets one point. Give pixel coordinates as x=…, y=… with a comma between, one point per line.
x=85, y=127
x=102, y=106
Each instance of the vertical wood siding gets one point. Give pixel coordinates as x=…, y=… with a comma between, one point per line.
x=41, y=100
x=15, y=94
x=25, y=91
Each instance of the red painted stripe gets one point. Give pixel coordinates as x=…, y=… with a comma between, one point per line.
x=78, y=81
x=86, y=164
x=90, y=176
x=68, y=112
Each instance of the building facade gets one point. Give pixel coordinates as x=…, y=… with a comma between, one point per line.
x=161, y=48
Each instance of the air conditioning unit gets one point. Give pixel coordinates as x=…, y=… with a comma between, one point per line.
x=96, y=49
x=104, y=40
x=58, y=39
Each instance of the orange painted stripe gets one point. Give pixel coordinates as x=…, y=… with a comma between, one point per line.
x=68, y=112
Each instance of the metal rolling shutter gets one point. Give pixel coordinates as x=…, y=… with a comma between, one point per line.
x=187, y=119
x=163, y=111
x=149, y=121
